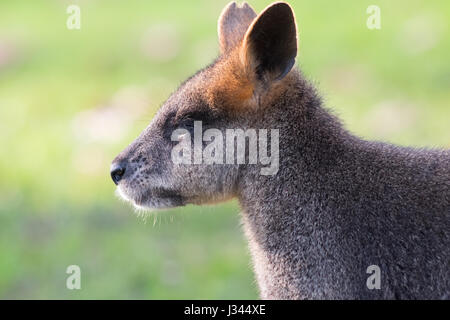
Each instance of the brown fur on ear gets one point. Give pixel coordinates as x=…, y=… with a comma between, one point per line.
x=246, y=77
x=230, y=86
x=232, y=25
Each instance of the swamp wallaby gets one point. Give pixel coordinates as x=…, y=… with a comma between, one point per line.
x=322, y=206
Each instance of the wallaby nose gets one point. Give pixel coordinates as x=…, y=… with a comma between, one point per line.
x=117, y=172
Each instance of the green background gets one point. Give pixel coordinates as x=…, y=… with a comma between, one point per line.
x=70, y=100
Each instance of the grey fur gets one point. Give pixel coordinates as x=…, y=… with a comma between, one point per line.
x=337, y=205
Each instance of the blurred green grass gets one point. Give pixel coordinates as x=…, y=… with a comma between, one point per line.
x=64, y=94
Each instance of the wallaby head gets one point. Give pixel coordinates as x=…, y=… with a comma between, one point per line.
x=253, y=71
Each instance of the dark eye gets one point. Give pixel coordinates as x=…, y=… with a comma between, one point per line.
x=187, y=119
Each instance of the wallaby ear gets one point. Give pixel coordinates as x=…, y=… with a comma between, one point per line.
x=270, y=44
x=233, y=23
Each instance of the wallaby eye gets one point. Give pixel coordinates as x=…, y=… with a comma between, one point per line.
x=187, y=119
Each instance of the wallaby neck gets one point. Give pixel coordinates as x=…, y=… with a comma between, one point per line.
x=311, y=143
x=280, y=211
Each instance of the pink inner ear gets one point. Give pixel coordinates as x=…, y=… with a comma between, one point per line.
x=233, y=24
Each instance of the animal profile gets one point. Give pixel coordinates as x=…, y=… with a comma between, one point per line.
x=329, y=206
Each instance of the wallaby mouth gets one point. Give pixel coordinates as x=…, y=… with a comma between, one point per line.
x=141, y=182
x=152, y=199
